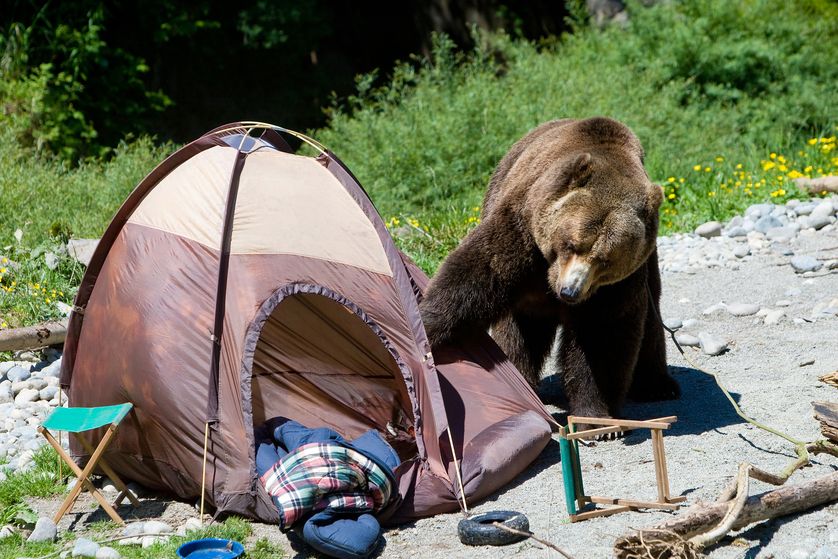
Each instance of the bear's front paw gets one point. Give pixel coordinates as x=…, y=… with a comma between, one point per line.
x=661, y=387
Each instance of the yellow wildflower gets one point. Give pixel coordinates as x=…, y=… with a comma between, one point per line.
x=812, y=141
x=670, y=179
x=773, y=155
x=707, y=169
x=795, y=174
x=719, y=159
x=671, y=196
x=696, y=167
x=738, y=165
x=781, y=159
x=712, y=194
x=766, y=165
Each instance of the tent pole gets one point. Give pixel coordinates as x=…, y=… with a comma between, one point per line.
x=457, y=471
x=204, y=471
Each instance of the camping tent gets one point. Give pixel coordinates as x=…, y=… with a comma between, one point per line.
x=240, y=282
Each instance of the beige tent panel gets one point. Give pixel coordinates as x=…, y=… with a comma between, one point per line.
x=190, y=200
x=290, y=204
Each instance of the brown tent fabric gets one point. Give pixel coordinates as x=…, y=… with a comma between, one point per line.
x=240, y=282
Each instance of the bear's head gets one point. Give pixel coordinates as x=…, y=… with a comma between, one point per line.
x=595, y=211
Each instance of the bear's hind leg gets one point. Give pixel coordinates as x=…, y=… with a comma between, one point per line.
x=526, y=340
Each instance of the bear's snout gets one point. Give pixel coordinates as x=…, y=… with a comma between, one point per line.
x=574, y=281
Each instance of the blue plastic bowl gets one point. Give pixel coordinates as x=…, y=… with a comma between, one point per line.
x=210, y=548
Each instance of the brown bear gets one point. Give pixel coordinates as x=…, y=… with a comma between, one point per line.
x=567, y=238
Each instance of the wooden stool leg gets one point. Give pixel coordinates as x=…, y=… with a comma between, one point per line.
x=83, y=476
x=660, y=465
x=123, y=491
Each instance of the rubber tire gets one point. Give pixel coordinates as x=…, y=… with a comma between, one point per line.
x=478, y=529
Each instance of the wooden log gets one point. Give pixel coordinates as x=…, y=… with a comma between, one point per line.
x=32, y=337
x=818, y=185
x=703, y=517
x=827, y=414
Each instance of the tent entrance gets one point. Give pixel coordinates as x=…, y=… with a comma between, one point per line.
x=321, y=361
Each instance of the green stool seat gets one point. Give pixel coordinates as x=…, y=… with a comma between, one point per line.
x=77, y=420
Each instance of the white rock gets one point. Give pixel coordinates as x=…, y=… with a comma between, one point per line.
x=714, y=308
x=45, y=531
x=6, y=531
x=156, y=527
x=26, y=395
x=742, y=309
x=85, y=548
x=774, y=316
x=712, y=345
x=709, y=229
x=107, y=553
x=149, y=541
x=687, y=340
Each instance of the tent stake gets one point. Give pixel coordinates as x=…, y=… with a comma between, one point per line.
x=204, y=471
x=457, y=471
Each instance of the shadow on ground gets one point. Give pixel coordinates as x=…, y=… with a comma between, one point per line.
x=702, y=406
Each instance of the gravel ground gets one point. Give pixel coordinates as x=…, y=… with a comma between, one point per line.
x=788, y=338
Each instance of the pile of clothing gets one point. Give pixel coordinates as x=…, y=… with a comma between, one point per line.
x=326, y=488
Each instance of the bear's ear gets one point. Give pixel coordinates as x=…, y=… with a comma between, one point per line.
x=580, y=170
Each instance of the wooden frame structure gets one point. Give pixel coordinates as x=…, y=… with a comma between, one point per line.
x=575, y=496
x=96, y=459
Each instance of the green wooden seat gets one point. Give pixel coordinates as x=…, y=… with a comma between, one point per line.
x=79, y=420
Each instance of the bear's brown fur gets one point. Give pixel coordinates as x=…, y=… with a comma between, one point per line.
x=567, y=238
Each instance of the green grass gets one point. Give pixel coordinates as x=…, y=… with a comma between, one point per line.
x=232, y=528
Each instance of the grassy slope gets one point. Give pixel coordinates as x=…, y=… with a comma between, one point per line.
x=710, y=84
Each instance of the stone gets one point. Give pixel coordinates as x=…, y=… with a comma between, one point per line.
x=672, y=323
x=806, y=363
x=824, y=208
x=689, y=323
x=759, y=210
x=191, y=525
x=712, y=345
x=148, y=541
x=51, y=260
x=783, y=303
x=805, y=263
x=774, y=316
x=48, y=393
x=85, y=548
x=107, y=553
x=45, y=531
x=52, y=370
x=18, y=373
x=6, y=366
x=687, y=340
x=6, y=395
x=157, y=527
x=709, y=229
x=26, y=395
x=742, y=251
x=713, y=308
x=108, y=486
x=6, y=531
x=742, y=309
x=804, y=209
x=134, y=529
x=818, y=222
x=781, y=233
x=82, y=249
x=767, y=222
x=738, y=231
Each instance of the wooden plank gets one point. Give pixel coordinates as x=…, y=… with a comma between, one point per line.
x=33, y=337
x=598, y=512
x=632, y=503
x=659, y=466
x=625, y=423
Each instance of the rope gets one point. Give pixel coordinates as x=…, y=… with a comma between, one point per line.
x=799, y=445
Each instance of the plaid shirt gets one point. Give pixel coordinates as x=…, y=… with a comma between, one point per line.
x=317, y=476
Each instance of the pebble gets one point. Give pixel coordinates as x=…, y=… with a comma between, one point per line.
x=85, y=548
x=713, y=308
x=774, y=316
x=709, y=229
x=157, y=527
x=742, y=309
x=687, y=340
x=107, y=553
x=805, y=264
x=783, y=303
x=673, y=323
x=712, y=345
x=6, y=531
x=806, y=363
x=17, y=374
x=741, y=251
x=45, y=531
